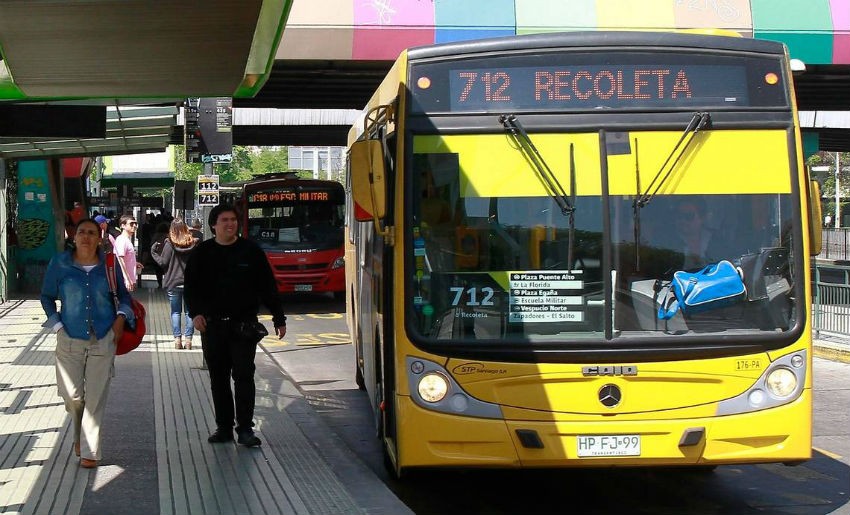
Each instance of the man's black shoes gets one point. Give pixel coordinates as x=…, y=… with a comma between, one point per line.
x=248, y=439
x=221, y=435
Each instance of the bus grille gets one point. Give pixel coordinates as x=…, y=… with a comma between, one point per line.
x=298, y=268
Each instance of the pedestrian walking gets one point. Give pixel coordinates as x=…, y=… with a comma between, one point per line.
x=226, y=279
x=172, y=255
x=126, y=251
x=197, y=230
x=87, y=328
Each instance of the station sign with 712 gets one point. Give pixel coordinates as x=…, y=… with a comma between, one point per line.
x=208, y=194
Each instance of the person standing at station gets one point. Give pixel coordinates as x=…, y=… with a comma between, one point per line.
x=172, y=256
x=77, y=213
x=197, y=230
x=87, y=327
x=106, y=239
x=126, y=251
x=226, y=279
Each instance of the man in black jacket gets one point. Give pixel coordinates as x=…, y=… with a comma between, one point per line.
x=226, y=279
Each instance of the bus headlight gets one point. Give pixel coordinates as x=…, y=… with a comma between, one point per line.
x=338, y=263
x=781, y=382
x=433, y=387
x=756, y=398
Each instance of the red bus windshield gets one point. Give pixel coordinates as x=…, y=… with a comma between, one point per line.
x=292, y=217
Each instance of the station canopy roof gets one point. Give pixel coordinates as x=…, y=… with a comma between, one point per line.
x=169, y=49
x=130, y=129
x=139, y=58
x=138, y=179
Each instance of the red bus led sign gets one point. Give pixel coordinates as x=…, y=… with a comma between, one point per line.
x=284, y=196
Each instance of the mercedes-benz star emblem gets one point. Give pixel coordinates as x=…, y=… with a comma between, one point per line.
x=610, y=395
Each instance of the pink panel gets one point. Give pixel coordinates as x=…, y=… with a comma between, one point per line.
x=841, y=30
x=399, y=13
x=384, y=43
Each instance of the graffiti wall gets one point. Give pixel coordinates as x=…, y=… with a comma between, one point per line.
x=36, y=234
x=4, y=235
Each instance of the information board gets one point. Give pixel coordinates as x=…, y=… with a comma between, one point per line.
x=208, y=191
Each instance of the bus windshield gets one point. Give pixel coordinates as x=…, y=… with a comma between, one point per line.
x=494, y=259
x=296, y=219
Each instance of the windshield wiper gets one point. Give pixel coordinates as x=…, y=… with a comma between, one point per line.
x=636, y=209
x=698, y=122
x=556, y=191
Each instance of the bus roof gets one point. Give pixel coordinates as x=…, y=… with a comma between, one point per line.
x=598, y=39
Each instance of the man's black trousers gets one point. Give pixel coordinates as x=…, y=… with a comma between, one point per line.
x=227, y=354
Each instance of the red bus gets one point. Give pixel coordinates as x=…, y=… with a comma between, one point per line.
x=299, y=224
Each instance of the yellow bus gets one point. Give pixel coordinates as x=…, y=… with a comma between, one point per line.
x=583, y=250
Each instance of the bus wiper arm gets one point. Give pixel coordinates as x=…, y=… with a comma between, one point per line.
x=698, y=122
x=559, y=195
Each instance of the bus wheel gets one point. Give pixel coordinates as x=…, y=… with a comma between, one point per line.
x=393, y=470
x=358, y=358
x=703, y=469
x=358, y=377
x=379, y=416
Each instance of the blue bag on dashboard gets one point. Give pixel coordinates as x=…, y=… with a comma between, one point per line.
x=714, y=286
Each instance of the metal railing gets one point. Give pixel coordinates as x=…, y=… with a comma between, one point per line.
x=831, y=299
x=836, y=244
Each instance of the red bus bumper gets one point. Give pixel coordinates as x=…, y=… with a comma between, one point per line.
x=318, y=272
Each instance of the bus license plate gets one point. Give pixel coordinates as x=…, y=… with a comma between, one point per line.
x=303, y=287
x=608, y=445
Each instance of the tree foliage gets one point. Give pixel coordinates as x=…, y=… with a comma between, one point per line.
x=827, y=178
x=248, y=162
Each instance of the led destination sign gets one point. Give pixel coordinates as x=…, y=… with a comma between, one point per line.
x=285, y=195
x=596, y=81
x=597, y=86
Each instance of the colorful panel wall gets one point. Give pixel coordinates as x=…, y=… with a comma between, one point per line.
x=805, y=27
x=36, y=229
x=840, y=10
x=382, y=28
x=473, y=19
x=816, y=31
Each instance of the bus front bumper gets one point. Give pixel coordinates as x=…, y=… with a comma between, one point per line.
x=432, y=439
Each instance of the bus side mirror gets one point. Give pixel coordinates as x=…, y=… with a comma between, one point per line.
x=815, y=219
x=368, y=185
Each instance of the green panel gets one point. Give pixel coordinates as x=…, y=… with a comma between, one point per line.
x=546, y=15
x=809, y=48
x=270, y=27
x=804, y=25
x=811, y=144
x=137, y=181
x=8, y=90
x=791, y=15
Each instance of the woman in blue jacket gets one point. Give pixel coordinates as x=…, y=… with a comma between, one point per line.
x=87, y=327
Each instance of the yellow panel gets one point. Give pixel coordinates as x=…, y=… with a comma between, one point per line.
x=628, y=14
x=493, y=166
x=716, y=162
